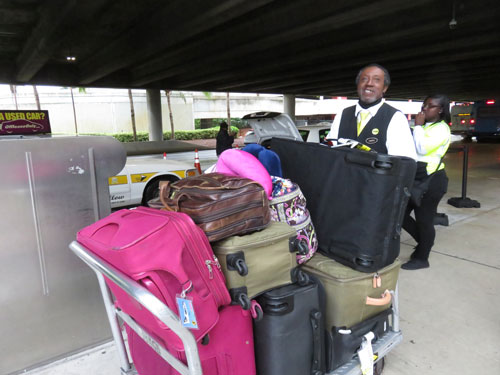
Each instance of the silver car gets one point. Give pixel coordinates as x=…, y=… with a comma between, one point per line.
x=266, y=125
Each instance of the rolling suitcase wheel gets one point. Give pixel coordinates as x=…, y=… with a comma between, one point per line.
x=241, y=267
x=300, y=277
x=256, y=310
x=244, y=301
x=236, y=262
x=379, y=367
x=300, y=246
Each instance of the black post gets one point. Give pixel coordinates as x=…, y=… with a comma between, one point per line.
x=463, y=201
x=464, y=171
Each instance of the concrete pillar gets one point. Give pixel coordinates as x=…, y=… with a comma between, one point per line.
x=289, y=105
x=154, y=115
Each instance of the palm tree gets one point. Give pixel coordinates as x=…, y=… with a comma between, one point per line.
x=132, y=114
x=80, y=90
x=228, y=111
x=13, y=90
x=167, y=94
x=37, y=98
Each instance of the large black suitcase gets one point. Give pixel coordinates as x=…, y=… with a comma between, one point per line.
x=356, y=199
x=290, y=338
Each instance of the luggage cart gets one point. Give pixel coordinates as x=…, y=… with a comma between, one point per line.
x=151, y=303
x=103, y=269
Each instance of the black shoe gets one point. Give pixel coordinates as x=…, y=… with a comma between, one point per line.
x=415, y=264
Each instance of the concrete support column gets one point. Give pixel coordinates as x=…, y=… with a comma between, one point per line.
x=289, y=105
x=154, y=115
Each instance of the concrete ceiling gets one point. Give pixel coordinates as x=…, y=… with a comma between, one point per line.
x=300, y=47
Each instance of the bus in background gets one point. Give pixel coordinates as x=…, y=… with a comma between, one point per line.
x=461, y=118
x=485, y=120
x=480, y=119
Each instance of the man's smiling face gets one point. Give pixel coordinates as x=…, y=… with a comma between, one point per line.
x=371, y=85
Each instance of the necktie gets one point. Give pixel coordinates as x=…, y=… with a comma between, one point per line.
x=362, y=117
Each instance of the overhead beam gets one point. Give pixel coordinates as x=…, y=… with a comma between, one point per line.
x=303, y=59
x=334, y=22
x=145, y=40
x=43, y=39
x=408, y=55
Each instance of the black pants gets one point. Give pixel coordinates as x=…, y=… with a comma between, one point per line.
x=422, y=227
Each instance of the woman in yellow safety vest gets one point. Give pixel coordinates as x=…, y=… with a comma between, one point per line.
x=432, y=138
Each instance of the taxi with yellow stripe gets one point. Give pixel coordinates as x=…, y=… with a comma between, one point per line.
x=138, y=181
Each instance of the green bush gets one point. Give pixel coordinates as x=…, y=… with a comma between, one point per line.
x=236, y=122
x=181, y=135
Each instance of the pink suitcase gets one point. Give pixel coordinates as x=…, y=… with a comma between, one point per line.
x=168, y=254
x=229, y=351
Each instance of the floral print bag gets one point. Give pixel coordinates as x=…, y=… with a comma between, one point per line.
x=288, y=205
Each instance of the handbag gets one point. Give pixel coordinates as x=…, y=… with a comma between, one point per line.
x=221, y=205
x=421, y=186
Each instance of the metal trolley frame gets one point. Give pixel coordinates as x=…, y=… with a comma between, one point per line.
x=103, y=269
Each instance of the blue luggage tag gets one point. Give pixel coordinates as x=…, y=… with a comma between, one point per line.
x=186, y=311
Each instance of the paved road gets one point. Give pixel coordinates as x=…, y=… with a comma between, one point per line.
x=207, y=157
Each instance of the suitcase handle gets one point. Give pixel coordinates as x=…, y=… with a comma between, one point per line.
x=164, y=192
x=315, y=317
x=366, y=159
x=384, y=300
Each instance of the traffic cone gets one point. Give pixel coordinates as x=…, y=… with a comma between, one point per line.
x=164, y=155
x=197, y=161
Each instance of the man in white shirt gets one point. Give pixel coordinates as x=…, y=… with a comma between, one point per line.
x=373, y=122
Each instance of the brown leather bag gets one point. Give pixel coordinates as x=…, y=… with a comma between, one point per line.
x=221, y=205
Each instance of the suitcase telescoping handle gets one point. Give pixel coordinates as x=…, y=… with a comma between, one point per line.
x=384, y=300
x=315, y=317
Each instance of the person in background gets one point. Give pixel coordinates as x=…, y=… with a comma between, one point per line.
x=432, y=137
x=373, y=122
x=224, y=140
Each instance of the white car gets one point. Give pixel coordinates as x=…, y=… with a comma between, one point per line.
x=138, y=181
x=315, y=133
x=266, y=125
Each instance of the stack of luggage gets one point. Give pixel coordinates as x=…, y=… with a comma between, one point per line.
x=236, y=259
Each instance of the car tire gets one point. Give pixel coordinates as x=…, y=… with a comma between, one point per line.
x=152, y=189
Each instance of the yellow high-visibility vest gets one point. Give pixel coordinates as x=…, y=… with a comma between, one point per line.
x=437, y=138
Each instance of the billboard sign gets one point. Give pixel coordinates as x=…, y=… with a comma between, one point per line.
x=24, y=122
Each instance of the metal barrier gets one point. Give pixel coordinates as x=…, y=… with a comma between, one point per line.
x=463, y=201
x=151, y=303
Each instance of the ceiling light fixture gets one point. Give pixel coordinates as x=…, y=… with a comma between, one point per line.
x=453, y=22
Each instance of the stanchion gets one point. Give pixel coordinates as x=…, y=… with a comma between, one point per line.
x=463, y=201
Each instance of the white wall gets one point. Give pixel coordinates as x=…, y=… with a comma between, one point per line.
x=108, y=110
x=97, y=110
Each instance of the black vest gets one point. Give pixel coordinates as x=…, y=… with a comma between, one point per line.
x=374, y=134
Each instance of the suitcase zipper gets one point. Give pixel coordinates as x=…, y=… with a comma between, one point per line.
x=219, y=215
x=209, y=266
x=211, y=192
x=235, y=224
x=219, y=296
x=264, y=241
